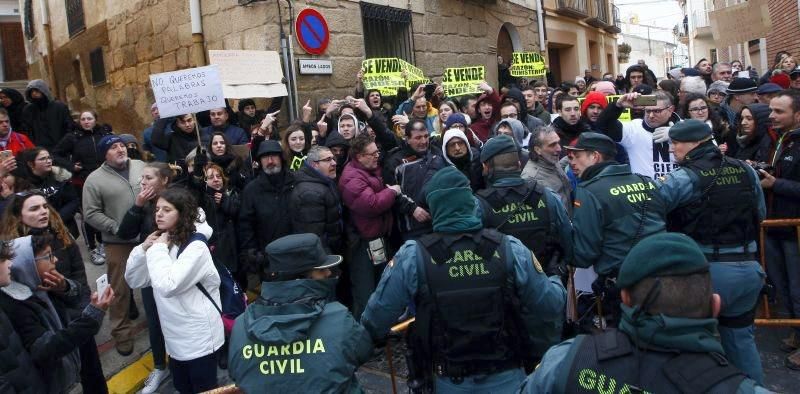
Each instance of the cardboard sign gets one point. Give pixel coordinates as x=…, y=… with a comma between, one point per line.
x=612, y=100
x=527, y=64
x=740, y=22
x=463, y=80
x=389, y=74
x=187, y=91
x=246, y=74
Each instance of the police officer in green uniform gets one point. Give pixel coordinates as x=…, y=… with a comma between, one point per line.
x=524, y=209
x=666, y=340
x=295, y=337
x=613, y=210
x=718, y=202
x=484, y=306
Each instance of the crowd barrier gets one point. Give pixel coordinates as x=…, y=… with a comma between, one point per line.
x=763, y=316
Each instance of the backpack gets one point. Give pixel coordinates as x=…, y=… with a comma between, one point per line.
x=232, y=298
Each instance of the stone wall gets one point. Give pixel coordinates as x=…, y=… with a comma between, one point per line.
x=144, y=37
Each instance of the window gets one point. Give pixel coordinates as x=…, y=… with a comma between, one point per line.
x=76, y=72
x=387, y=32
x=98, y=66
x=30, y=32
x=75, y=19
x=713, y=58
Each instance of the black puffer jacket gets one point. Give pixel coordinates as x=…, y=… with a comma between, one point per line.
x=783, y=200
x=756, y=147
x=80, y=146
x=264, y=215
x=17, y=372
x=15, y=109
x=317, y=208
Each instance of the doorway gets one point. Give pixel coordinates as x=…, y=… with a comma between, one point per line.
x=15, y=67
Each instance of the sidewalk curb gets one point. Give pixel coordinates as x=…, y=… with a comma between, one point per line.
x=131, y=378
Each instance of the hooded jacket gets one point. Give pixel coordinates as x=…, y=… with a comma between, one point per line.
x=756, y=147
x=470, y=166
x=46, y=120
x=482, y=127
x=539, y=112
x=191, y=325
x=51, y=338
x=177, y=144
x=15, y=108
x=247, y=122
x=17, y=142
x=301, y=315
x=520, y=132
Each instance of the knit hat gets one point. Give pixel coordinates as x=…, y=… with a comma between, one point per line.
x=690, y=72
x=741, y=85
x=452, y=205
x=454, y=118
x=643, y=89
x=269, y=147
x=795, y=71
x=128, y=139
x=579, y=79
x=781, y=80
x=689, y=130
x=605, y=87
x=768, y=88
x=593, y=98
x=105, y=143
x=647, y=259
x=497, y=145
x=717, y=86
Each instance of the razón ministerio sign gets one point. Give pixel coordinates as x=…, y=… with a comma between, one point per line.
x=187, y=91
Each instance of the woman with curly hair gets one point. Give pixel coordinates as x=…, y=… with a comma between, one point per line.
x=176, y=262
x=29, y=213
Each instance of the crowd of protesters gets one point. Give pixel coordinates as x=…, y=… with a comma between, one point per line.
x=353, y=171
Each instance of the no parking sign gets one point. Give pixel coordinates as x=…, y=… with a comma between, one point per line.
x=312, y=31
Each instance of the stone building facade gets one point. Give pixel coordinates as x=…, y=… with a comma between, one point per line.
x=104, y=51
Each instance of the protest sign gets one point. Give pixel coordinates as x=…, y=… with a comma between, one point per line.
x=246, y=74
x=527, y=64
x=612, y=100
x=187, y=91
x=740, y=22
x=389, y=74
x=463, y=80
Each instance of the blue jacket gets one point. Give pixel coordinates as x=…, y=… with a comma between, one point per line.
x=542, y=307
x=235, y=134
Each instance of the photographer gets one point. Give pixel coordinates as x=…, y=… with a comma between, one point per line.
x=783, y=199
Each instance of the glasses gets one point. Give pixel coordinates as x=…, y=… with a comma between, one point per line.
x=46, y=158
x=506, y=116
x=655, y=111
x=48, y=257
x=698, y=109
x=325, y=160
x=377, y=153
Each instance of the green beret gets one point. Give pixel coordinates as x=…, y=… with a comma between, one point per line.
x=594, y=142
x=665, y=254
x=690, y=130
x=497, y=145
x=446, y=178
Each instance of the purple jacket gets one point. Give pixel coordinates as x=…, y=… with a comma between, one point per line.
x=368, y=199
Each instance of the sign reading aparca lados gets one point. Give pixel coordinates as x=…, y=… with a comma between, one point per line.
x=187, y=91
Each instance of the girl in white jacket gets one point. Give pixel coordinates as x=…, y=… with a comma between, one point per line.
x=192, y=327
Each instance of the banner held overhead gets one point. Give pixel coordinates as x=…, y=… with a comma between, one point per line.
x=187, y=91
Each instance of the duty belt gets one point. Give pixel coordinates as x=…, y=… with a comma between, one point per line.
x=730, y=257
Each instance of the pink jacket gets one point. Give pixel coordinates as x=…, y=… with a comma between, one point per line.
x=368, y=199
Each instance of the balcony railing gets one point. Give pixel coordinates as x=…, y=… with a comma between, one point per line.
x=613, y=27
x=578, y=9
x=700, y=19
x=598, y=13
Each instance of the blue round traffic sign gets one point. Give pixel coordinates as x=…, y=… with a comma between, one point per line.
x=312, y=31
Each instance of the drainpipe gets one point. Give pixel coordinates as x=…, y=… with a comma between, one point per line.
x=49, y=44
x=540, y=20
x=198, y=41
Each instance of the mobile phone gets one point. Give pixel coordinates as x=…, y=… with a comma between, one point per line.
x=645, y=101
x=6, y=154
x=102, y=284
x=743, y=74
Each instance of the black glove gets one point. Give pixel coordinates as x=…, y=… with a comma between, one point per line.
x=200, y=161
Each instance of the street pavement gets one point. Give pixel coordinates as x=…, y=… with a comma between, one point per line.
x=374, y=378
